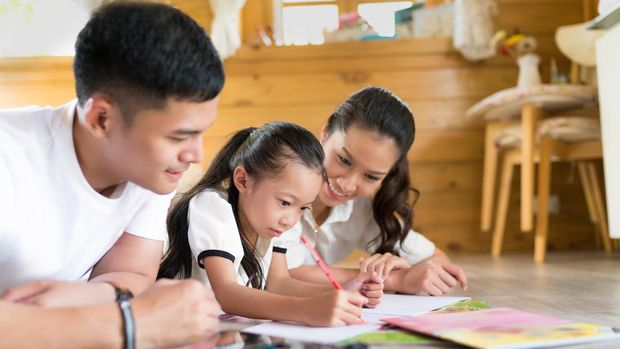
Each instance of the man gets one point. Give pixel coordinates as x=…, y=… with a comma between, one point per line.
x=86, y=186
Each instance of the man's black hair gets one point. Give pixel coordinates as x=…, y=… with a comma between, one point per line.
x=141, y=53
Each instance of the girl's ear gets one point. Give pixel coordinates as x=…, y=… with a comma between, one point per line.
x=323, y=134
x=241, y=179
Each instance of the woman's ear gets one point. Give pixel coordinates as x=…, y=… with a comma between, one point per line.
x=323, y=134
x=241, y=179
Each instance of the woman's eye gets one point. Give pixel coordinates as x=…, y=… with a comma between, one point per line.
x=344, y=160
x=285, y=203
x=177, y=139
x=372, y=178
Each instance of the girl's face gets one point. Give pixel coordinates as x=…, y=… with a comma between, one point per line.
x=271, y=206
x=356, y=162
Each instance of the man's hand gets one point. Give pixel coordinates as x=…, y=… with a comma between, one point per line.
x=175, y=312
x=52, y=293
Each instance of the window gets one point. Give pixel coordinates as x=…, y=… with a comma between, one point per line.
x=34, y=28
x=303, y=22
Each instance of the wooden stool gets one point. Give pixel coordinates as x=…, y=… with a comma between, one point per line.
x=582, y=145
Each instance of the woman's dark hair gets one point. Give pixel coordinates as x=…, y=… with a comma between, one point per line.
x=378, y=110
x=140, y=53
x=263, y=152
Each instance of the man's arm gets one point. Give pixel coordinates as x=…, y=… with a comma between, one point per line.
x=170, y=313
x=131, y=263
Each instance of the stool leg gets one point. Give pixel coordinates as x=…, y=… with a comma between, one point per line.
x=600, y=207
x=544, y=186
x=587, y=192
x=488, y=176
x=502, y=206
x=529, y=115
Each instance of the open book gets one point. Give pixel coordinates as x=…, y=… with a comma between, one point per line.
x=503, y=328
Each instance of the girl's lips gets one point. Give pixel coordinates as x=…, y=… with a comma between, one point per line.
x=275, y=233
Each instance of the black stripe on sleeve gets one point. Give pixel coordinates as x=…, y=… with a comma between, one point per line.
x=277, y=249
x=214, y=253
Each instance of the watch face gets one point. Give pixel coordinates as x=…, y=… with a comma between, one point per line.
x=123, y=295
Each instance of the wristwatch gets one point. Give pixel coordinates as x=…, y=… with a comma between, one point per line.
x=123, y=296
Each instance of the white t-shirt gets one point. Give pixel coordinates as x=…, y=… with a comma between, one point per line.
x=213, y=232
x=53, y=224
x=349, y=226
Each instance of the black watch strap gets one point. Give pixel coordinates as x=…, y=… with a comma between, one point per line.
x=123, y=296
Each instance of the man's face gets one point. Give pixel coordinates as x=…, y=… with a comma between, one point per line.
x=159, y=145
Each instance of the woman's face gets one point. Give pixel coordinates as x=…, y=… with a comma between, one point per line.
x=356, y=162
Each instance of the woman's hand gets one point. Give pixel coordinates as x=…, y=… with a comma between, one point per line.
x=382, y=264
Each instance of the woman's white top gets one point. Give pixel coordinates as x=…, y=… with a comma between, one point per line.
x=349, y=226
x=213, y=233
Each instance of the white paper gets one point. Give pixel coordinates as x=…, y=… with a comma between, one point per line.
x=320, y=335
x=405, y=305
x=391, y=305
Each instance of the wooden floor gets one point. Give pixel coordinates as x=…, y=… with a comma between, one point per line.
x=583, y=286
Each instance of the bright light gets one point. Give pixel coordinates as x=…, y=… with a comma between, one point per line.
x=381, y=15
x=304, y=25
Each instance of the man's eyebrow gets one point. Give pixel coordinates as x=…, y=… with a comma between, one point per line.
x=187, y=132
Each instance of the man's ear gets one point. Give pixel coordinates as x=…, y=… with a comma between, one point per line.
x=98, y=114
x=323, y=134
x=241, y=179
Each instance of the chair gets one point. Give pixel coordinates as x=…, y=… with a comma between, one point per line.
x=559, y=139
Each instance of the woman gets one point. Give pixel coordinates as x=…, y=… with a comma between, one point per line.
x=363, y=204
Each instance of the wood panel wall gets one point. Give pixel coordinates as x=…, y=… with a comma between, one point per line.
x=305, y=84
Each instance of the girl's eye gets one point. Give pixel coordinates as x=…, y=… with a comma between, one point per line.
x=344, y=160
x=305, y=208
x=177, y=139
x=285, y=203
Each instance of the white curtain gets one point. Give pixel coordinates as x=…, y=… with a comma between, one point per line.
x=225, y=28
x=473, y=28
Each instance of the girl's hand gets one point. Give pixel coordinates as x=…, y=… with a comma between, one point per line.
x=370, y=285
x=334, y=308
x=382, y=264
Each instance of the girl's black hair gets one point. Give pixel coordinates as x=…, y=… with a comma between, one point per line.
x=263, y=152
x=379, y=110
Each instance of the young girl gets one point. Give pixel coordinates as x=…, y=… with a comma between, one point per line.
x=363, y=204
x=221, y=230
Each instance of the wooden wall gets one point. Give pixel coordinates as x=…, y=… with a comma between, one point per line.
x=304, y=84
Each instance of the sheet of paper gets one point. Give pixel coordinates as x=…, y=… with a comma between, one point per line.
x=321, y=335
x=405, y=305
x=391, y=305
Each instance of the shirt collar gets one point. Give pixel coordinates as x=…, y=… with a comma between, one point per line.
x=339, y=213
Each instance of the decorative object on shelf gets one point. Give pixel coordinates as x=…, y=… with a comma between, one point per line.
x=434, y=21
x=225, y=27
x=473, y=28
x=351, y=27
x=521, y=48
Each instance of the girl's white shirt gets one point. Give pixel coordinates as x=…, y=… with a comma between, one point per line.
x=349, y=226
x=213, y=233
